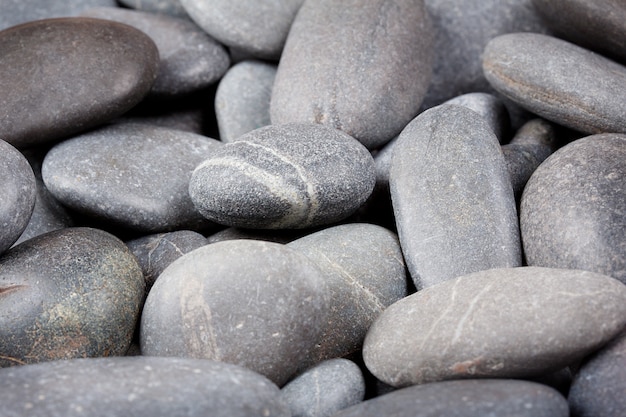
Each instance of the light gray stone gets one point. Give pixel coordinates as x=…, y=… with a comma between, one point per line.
x=169, y=7
x=14, y=12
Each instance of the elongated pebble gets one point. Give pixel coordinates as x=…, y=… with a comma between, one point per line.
x=490, y=107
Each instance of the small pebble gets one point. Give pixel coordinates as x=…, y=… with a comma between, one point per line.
x=490, y=107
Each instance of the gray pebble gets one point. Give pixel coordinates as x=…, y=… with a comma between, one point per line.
x=169, y=7
x=14, y=12
x=278, y=236
x=490, y=107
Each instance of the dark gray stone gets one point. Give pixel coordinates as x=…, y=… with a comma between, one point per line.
x=361, y=67
x=190, y=60
x=169, y=7
x=528, y=68
x=257, y=304
x=499, y=323
x=325, y=389
x=14, y=12
x=67, y=294
x=491, y=108
x=452, y=197
x=572, y=209
x=138, y=387
x=132, y=175
x=284, y=177
x=466, y=399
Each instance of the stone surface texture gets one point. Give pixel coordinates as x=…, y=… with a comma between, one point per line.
x=490, y=107
x=15, y=12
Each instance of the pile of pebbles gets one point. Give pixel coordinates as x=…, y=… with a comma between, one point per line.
x=313, y=208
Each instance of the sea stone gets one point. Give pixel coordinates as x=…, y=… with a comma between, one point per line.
x=326, y=388
x=66, y=294
x=466, y=399
x=106, y=69
x=371, y=69
x=503, y=323
x=528, y=68
x=284, y=177
x=14, y=12
x=452, y=197
x=257, y=304
x=490, y=107
x=169, y=7
x=137, y=386
x=572, y=209
x=133, y=175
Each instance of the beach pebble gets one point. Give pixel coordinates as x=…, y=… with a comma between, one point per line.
x=14, y=12
x=169, y=7
x=491, y=108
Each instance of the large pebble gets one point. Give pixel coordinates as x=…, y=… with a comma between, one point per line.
x=256, y=304
x=452, y=197
x=507, y=323
x=293, y=176
x=573, y=207
x=529, y=69
x=359, y=66
x=14, y=12
x=138, y=387
x=66, y=294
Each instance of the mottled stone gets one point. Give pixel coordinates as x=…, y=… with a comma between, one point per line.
x=242, y=100
x=132, y=175
x=452, y=197
x=528, y=68
x=14, y=12
x=325, y=389
x=169, y=7
x=66, y=294
x=491, y=108
x=573, y=207
x=137, y=386
x=106, y=69
x=466, y=399
x=256, y=304
x=361, y=67
x=190, y=60
x=504, y=323
x=284, y=177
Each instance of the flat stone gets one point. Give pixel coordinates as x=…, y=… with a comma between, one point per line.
x=590, y=99
x=14, y=12
x=452, y=197
x=196, y=308
x=169, y=7
x=69, y=293
x=490, y=107
x=572, y=209
x=325, y=389
x=372, y=65
x=133, y=175
x=499, y=323
x=137, y=386
x=289, y=176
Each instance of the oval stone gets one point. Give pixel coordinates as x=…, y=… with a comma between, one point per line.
x=67, y=294
x=506, y=323
x=290, y=176
x=107, y=68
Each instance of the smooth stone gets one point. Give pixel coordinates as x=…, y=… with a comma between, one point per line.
x=474, y=398
x=69, y=293
x=14, y=12
x=137, y=386
x=325, y=389
x=242, y=100
x=277, y=236
x=190, y=60
x=590, y=99
x=490, y=107
x=19, y=192
x=452, y=197
x=499, y=323
x=156, y=252
x=289, y=176
x=572, y=209
x=258, y=28
x=169, y=7
x=132, y=175
x=599, y=385
x=256, y=304
x=364, y=272
x=360, y=67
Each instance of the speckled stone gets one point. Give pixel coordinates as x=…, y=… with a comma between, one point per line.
x=106, y=69
x=361, y=67
x=14, y=12
x=504, y=323
x=325, y=389
x=528, y=68
x=190, y=60
x=572, y=209
x=137, y=386
x=466, y=399
x=169, y=7
x=452, y=197
x=132, y=175
x=257, y=304
x=290, y=176
x=66, y=294
x=242, y=100
x=491, y=108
